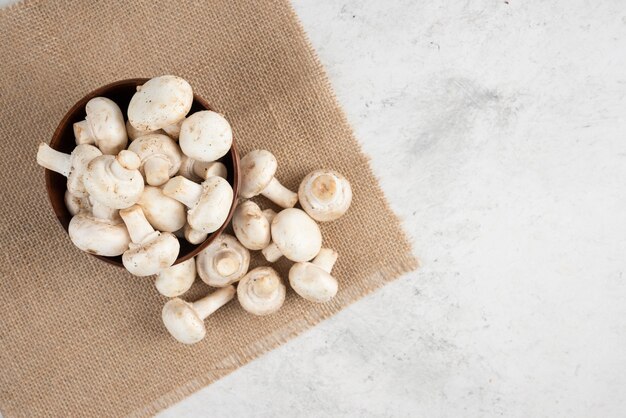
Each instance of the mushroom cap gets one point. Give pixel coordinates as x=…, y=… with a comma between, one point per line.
x=163, y=212
x=176, y=280
x=205, y=136
x=297, y=235
x=107, y=125
x=312, y=283
x=134, y=133
x=81, y=157
x=98, y=236
x=223, y=262
x=257, y=170
x=251, y=227
x=157, y=146
x=161, y=101
x=325, y=195
x=192, y=236
x=110, y=190
x=212, y=210
x=261, y=291
x=182, y=321
x=155, y=253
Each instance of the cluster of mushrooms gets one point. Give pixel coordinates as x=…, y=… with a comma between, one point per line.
x=137, y=200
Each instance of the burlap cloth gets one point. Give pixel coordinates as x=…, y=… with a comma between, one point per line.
x=79, y=337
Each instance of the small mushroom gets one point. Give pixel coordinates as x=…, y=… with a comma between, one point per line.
x=325, y=195
x=115, y=181
x=257, y=177
x=209, y=203
x=173, y=130
x=294, y=235
x=192, y=236
x=132, y=132
x=223, y=262
x=76, y=204
x=261, y=291
x=200, y=170
x=150, y=251
x=185, y=321
x=176, y=280
x=160, y=102
x=160, y=157
x=103, y=125
x=71, y=165
x=251, y=226
x=163, y=212
x=205, y=136
x=312, y=280
x=101, y=232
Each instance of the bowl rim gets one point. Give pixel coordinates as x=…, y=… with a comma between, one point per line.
x=102, y=91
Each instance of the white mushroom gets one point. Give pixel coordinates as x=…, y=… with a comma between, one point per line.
x=325, y=195
x=101, y=232
x=294, y=235
x=251, y=226
x=150, y=251
x=269, y=215
x=312, y=280
x=104, y=126
x=261, y=291
x=201, y=170
x=205, y=136
x=176, y=280
x=257, y=177
x=173, y=130
x=163, y=212
x=223, y=262
x=71, y=165
x=192, y=236
x=115, y=181
x=132, y=132
x=76, y=204
x=209, y=203
x=185, y=321
x=160, y=102
x=160, y=157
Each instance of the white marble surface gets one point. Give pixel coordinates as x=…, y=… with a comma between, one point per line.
x=498, y=131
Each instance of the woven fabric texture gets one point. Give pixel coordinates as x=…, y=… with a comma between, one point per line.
x=79, y=337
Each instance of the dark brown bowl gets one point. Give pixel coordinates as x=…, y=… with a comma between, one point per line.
x=63, y=140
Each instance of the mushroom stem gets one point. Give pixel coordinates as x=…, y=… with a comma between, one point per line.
x=124, y=165
x=272, y=253
x=185, y=191
x=193, y=236
x=101, y=211
x=138, y=226
x=325, y=259
x=54, y=160
x=157, y=170
x=204, y=170
x=265, y=286
x=226, y=263
x=269, y=215
x=211, y=303
x=83, y=133
x=279, y=194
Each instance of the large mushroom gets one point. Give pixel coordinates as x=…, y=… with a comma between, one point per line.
x=201, y=170
x=161, y=101
x=163, y=212
x=294, y=235
x=205, y=136
x=176, y=280
x=261, y=291
x=160, y=157
x=257, y=177
x=313, y=280
x=223, y=262
x=115, y=181
x=325, y=195
x=100, y=232
x=71, y=165
x=103, y=125
x=185, y=321
x=251, y=226
x=150, y=251
x=209, y=203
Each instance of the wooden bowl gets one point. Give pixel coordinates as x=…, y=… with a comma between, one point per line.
x=63, y=140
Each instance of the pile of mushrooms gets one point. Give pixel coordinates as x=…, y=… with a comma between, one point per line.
x=137, y=187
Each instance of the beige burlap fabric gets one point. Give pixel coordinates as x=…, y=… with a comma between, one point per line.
x=79, y=337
